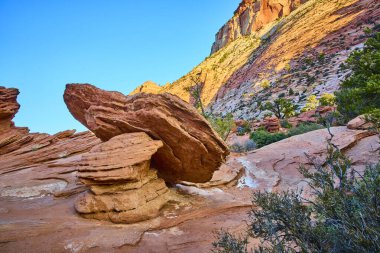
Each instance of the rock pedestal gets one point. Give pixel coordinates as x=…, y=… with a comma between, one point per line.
x=272, y=124
x=123, y=186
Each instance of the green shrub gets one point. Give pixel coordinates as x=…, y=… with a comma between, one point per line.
x=263, y=138
x=360, y=93
x=222, y=125
x=304, y=128
x=343, y=216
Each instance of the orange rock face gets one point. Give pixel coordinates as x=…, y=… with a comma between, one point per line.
x=124, y=189
x=191, y=150
x=251, y=16
x=8, y=107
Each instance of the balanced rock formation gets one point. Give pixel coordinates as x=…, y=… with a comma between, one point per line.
x=191, y=150
x=250, y=17
x=123, y=186
x=272, y=124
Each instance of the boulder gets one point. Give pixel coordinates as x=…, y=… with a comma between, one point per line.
x=272, y=124
x=359, y=122
x=123, y=186
x=191, y=150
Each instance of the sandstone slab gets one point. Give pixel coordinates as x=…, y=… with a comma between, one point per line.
x=191, y=150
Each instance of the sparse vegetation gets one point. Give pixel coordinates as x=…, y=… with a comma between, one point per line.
x=343, y=216
x=262, y=138
x=222, y=125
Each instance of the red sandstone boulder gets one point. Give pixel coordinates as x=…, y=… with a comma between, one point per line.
x=272, y=124
x=192, y=150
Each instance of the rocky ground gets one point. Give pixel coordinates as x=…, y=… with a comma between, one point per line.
x=39, y=187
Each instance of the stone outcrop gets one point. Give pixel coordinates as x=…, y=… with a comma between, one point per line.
x=123, y=186
x=250, y=17
x=312, y=115
x=272, y=124
x=8, y=107
x=191, y=150
x=360, y=123
x=21, y=149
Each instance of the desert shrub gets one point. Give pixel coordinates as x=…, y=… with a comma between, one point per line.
x=263, y=138
x=265, y=84
x=222, y=125
x=360, y=93
x=243, y=147
x=327, y=99
x=242, y=130
x=303, y=128
x=311, y=103
x=285, y=124
x=342, y=217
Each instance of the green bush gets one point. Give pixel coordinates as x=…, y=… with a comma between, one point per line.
x=343, y=216
x=262, y=137
x=304, y=128
x=360, y=93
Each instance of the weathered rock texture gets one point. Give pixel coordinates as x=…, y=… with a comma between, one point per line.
x=191, y=150
x=272, y=124
x=8, y=107
x=251, y=16
x=124, y=188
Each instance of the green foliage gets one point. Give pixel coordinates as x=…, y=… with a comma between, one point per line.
x=343, y=216
x=311, y=103
x=360, y=93
x=285, y=124
x=304, y=128
x=262, y=137
x=281, y=108
x=327, y=99
x=222, y=125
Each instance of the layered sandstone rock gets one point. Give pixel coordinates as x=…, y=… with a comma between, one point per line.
x=124, y=188
x=360, y=123
x=251, y=16
x=272, y=124
x=312, y=115
x=8, y=107
x=191, y=150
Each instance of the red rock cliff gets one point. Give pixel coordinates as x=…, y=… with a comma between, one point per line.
x=251, y=16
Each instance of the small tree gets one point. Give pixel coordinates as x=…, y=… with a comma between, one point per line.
x=281, y=108
x=222, y=125
x=195, y=91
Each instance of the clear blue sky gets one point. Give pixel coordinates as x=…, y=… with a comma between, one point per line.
x=113, y=44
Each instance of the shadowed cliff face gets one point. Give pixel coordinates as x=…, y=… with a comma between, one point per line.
x=250, y=17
